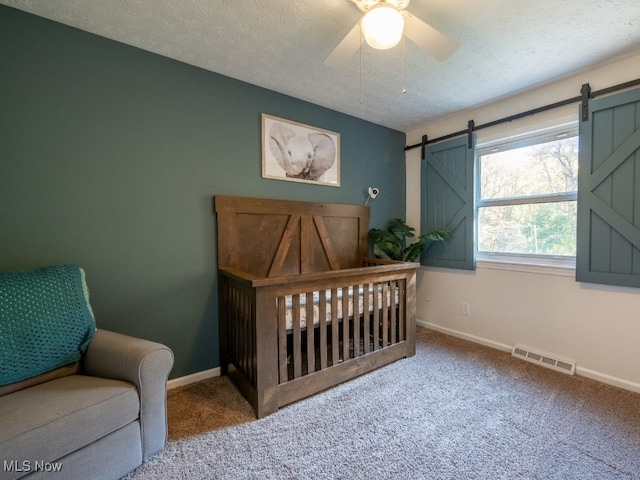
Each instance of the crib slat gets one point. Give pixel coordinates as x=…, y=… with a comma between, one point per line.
x=230, y=324
x=356, y=320
x=231, y=334
x=376, y=316
x=401, y=309
x=345, y=323
x=311, y=350
x=249, y=347
x=244, y=338
x=237, y=327
x=322, y=312
x=335, y=335
x=366, y=316
x=297, y=344
x=282, y=339
x=385, y=314
x=392, y=310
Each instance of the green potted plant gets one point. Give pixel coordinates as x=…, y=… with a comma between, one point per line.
x=391, y=242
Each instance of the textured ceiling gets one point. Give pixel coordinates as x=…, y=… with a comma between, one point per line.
x=506, y=46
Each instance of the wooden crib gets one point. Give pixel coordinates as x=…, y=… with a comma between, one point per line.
x=301, y=308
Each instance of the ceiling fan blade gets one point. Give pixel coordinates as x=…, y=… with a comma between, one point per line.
x=345, y=49
x=428, y=38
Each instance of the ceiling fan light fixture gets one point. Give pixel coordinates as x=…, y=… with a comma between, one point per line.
x=382, y=26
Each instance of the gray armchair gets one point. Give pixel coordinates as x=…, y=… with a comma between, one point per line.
x=100, y=422
x=98, y=417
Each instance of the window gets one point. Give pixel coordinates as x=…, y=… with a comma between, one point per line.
x=527, y=197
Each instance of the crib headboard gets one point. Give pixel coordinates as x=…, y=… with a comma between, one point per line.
x=273, y=238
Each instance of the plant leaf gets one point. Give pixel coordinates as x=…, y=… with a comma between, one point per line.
x=436, y=236
x=414, y=250
x=400, y=229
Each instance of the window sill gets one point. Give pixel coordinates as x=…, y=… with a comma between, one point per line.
x=544, y=266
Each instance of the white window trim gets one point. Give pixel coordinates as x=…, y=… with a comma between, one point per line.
x=525, y=138
x=544, y=264
x=528, y=199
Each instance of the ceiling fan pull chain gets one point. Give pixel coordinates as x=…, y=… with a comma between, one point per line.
x=404, y=64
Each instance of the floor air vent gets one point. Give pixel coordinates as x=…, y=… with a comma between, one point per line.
x=544, y=359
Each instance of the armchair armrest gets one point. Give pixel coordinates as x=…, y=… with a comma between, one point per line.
x=144, y=363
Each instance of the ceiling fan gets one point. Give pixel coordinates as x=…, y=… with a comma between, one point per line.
x=382, y=26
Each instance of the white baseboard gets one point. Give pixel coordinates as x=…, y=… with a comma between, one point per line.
x=465, y=336
x=608, y=379
x=194, y=377
x=585, y=372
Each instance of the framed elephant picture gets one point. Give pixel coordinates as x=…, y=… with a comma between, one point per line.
x=296, y=152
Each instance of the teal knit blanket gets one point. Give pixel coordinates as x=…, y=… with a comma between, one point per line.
x=45, y=320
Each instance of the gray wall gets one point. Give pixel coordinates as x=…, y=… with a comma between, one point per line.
x=110, y=157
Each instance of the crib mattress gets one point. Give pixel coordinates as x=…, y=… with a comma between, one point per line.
x=289, y=304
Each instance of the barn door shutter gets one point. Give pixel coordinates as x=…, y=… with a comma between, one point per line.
x=447, y=202
x=608, y=240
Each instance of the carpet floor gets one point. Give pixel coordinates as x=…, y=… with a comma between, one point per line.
x=456, y=410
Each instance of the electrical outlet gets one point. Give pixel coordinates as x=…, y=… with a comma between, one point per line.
x=465, y=308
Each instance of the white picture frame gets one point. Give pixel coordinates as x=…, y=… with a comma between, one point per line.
x=296, y=152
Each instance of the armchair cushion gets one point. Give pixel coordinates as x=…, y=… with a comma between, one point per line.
x=53, y=419
x=46, y=321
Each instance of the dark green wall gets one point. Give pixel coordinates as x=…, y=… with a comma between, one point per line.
x=110, y=156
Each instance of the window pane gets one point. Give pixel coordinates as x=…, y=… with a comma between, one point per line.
x=540, y=228
x=550, y=167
